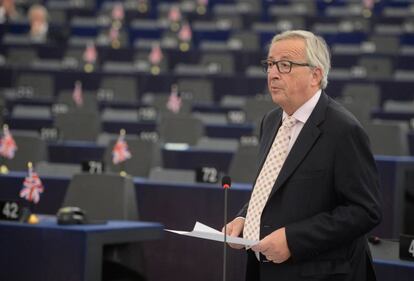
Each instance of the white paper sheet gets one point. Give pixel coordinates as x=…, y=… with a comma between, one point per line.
x=205, y=232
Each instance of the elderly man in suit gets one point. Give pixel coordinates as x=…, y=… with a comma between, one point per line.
x=316, y=193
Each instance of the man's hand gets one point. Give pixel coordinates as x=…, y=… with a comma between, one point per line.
x=274, y=246
x=235, y=228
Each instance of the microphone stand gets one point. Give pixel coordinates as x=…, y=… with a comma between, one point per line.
x=225, y=236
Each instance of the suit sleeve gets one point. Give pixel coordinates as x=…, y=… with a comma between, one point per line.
x=357, y=188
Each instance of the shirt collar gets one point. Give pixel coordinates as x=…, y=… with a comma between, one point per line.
x=302, y=113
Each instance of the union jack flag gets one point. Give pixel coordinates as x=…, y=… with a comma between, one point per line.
x=90, y=54
x=8, y=146
x=174, y=101
x=118, y=12
x=120, y=151
x=77, y=94
x=185, y=33
x=32, y=187
x=202, y=2
x=368, y=4
x=174, y=14
x=155, y=57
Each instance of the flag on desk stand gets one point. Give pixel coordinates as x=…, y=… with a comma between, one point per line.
x=90, y=56
x=155, y=57
x=77, y=94
x=174, y=101
x=32, y=188
x=368, y=4
x=8, y=146
x=184, y=35
x=174, y=15
x=120, y=151
x=118, y=12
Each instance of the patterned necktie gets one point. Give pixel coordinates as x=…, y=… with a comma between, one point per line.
x=267, y=178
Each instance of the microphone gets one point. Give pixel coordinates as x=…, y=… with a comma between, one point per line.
x=226, y=184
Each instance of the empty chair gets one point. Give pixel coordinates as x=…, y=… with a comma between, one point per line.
x=119, y=89
x=360, y=109
x=103, y=196
x=386, y=45
x=39, y=86
x=377, y=67
x=242, y=167
x=109, y=197
x=196, y=90
x=366, y=93
x=389, y=137
x=244, y=40
x=145, y=155
x=160, y=100
x=181, y=129
x=90, y=102
x=256, y=108
x=30, y=148
x=172, y=175
x=222, y=63
x=78, y=125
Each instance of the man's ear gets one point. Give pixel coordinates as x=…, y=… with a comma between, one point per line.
x=317, y=76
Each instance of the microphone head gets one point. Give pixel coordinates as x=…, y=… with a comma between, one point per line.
x=226, y=182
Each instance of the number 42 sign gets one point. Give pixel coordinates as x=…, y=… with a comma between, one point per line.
x=407, y=247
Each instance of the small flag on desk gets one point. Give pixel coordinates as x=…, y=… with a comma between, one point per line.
x=8, y=146
x=120, y=151
x=155, y=56
x=185, y=33
x=174, y=101
x=90, y=54
x=77, y=94
x=174, y=15
x=118, y=12
x=32, y=186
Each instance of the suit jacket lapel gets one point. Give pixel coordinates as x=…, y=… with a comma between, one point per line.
x=307, y=137
x=271, y=129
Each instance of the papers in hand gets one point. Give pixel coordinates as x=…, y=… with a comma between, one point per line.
x=205, y=232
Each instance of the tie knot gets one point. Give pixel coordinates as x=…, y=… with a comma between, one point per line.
x=289, y=121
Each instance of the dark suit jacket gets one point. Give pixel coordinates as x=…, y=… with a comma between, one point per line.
x=326, y=196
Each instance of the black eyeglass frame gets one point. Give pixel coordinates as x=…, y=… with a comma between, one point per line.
x=265, y=65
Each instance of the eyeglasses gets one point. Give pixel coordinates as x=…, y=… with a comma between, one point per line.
x=283, y=66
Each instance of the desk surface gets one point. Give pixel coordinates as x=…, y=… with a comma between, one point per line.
x=49, y=222
x=65, y=252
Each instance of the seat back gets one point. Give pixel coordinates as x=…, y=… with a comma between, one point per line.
x=243, y=166
x=78, y=125
x=145, y=155
x=103, y=196
x=181, y=129
x=30, y=148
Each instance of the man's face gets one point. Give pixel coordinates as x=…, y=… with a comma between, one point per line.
x=291, y=90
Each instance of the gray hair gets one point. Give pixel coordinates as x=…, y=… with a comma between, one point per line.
x=317, y=51
x=39, y=7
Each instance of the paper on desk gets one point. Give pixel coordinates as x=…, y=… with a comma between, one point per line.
x=205, y=232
